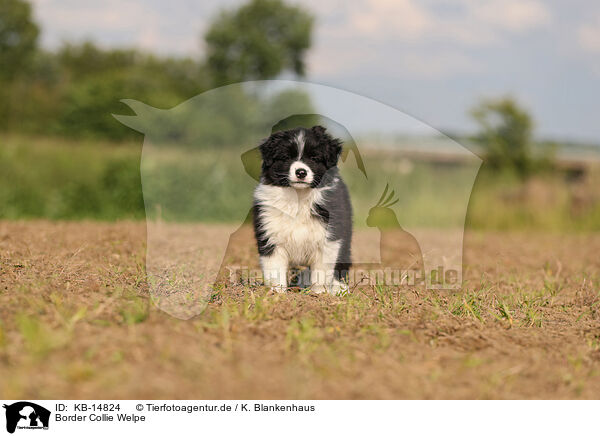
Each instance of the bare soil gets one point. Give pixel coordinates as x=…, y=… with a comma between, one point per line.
x=76, y=321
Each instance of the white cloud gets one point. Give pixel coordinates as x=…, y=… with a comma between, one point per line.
x=589, y=37
x=512, y=15
x=408, y=32
x=116, y=23
x=402, y=64
x=488, y=22
x=478, y=22
x=109, y=15
x=384, y=18
x=349, y=35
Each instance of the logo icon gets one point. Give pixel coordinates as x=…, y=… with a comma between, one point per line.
x=26, y=415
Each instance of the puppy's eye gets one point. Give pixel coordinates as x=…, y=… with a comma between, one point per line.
x=315, y=158
x=283, y=155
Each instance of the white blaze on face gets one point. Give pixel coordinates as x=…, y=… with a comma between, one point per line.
x=300, y=143
x=300, y=175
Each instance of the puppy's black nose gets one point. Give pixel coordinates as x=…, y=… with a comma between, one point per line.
x=301, y=173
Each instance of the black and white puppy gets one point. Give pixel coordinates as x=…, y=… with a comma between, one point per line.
x=302, y=210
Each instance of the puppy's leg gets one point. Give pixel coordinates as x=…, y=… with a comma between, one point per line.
x=275, y=268
x=322, y=270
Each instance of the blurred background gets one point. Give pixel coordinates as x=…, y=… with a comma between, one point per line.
x=515, y=82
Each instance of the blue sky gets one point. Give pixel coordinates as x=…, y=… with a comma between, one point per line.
x=432, y=59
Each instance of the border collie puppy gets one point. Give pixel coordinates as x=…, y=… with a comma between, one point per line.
x=302, y=212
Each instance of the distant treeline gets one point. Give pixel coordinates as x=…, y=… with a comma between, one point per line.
x=73, y=91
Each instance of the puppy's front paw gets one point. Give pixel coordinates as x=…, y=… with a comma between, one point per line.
x=338, y=288
x=318, y=289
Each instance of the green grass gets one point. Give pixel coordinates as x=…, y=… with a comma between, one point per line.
x=69, y=180
x=58, y=179
x=90, y=337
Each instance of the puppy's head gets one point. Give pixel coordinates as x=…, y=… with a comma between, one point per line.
x=300, y=158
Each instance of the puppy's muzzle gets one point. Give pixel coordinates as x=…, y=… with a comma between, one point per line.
x=301, y=173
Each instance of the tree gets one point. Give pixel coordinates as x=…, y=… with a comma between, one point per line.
x=258, y=41
x=506, y=132
x=18, y=37
x=86, y=59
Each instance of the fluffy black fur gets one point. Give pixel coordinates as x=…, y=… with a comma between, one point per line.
x=320, y=152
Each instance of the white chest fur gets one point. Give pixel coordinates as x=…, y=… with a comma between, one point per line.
x=289, y=222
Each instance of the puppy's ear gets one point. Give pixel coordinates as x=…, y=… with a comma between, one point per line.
x=264, y=148
x=268, y=148
x=319, y=130
x=333, y=146
x=333, y=151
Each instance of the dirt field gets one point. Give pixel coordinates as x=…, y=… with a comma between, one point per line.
x=76, y=322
